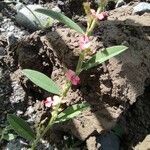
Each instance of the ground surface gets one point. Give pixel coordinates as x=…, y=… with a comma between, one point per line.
x=118, y=90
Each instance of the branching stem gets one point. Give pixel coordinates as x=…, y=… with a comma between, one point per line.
x=68, y=85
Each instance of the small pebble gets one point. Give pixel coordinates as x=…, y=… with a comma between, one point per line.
x=11, y=39
x=57, y=9
x=2, y=29
x=19, y=112
x=25, y=18
x=30, y=110
x=120, y=3
x=2, y=51
x=141, y=8
x=61, y=3
x=11, y=28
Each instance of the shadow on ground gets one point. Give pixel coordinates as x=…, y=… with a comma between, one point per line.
x=110, y=33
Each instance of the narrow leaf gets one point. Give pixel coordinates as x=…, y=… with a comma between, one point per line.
x=101, y=57
x=71, y=112
x=42, y=81
x=21, y=127
x=61, y=18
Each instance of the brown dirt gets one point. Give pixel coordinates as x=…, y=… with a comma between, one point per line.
x=110, y=88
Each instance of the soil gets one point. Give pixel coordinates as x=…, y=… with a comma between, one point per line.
x=118, y=90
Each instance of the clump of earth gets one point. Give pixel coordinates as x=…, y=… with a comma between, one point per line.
x=118, y=90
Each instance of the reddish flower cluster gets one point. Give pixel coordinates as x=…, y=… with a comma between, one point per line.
x=52, y=101
x=100, y=16
x=71, y=76
x=84, y=42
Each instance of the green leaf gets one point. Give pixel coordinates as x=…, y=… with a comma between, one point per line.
x=61, y=18
x=71, y=112
x=21, y=127
x=42, y=81
x=104, y=55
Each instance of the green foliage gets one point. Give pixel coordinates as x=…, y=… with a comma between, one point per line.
x=61, y=18
x=42, y=81
x=101, y=57
x=71, y=112
x=21, y=127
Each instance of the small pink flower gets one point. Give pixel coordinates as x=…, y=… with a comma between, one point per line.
x=71, y=76
x=56, y=100
x=52, y=101
x=84, y=42
x=48, y=102
x=100, y=16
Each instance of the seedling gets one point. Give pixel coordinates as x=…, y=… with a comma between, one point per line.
x=71, y=77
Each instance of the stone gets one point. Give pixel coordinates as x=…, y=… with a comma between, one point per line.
x=11, y=28
x=141, y=8
x=2, y=51
x=120, y=3
x=2, y=29
x=57, y=9
x=11, y=38
x=145, y=144
x=29, y=18
x=109, y=141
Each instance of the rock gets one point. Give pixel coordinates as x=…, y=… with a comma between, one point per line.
x=141, y=8
x=16, y=144
x=18, y=94
x=30, y=110
x=120, y=3
x=2, y=51
x=109, y=141
x=2, y=30
x=11, y=38
x=145, y=145
x=32, y=20
x=11, y=28
x=60, y=3
x=91, y=143
x=57, y=9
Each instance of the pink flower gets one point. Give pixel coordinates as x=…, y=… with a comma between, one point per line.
x=71, y=76
x=100, y=16
x=52, y=101
x=84, y=42
x=48, y=102
x=56, y=100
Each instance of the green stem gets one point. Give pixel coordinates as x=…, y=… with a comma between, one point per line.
x=93, y=24
x=2, y=136
x=80, y=62
x=68, y=85
x=53, y=118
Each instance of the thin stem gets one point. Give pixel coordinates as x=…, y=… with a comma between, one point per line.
x=93, y=23
x=80, y=62
x=53, y=118
x=68, y=85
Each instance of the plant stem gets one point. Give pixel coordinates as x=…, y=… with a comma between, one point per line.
x=80, y=62
x=93, y=23
x=53, y=118
x=67, y=87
